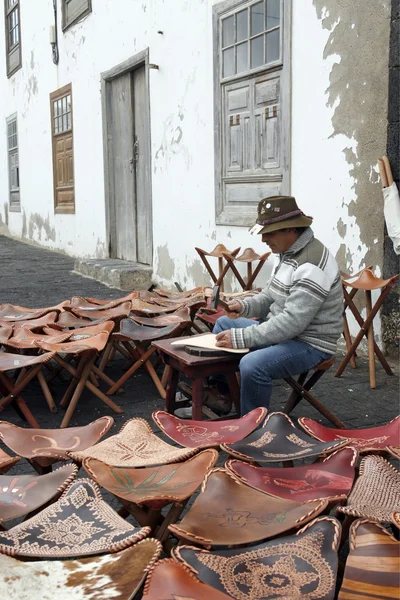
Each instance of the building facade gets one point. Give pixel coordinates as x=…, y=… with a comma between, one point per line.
x=140, y=129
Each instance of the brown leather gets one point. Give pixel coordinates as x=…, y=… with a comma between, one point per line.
x=80, y=523
x=118, y=575
x=70, y=321
x=10, y=361
x=376, y=492
x=76, y=346
x=193, y=292
x=37, y=324
x=394, y=451
x=373, y=564
x=173, y=581
x=24, y=339
x=132, y=331
x=52, y=443
x=368, y=281
x=142, y=308
x=298, y=566
x=227, y=512
x=11, y=313
x=22, y=494
x=365, y=440
x=119, y=312
x=279, y=440
x=325, y=365
x=95, y=304
x=332, y=479
x=208, y=434
x=249, y=255
x=5, y=333
x=7, y=461
x=218, y=251
x=134, y=446
x=153, y=486
x=181, y=315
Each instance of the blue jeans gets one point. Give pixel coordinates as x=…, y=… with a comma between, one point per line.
x=260, y=366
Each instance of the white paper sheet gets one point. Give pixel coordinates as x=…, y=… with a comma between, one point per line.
x=207, y=341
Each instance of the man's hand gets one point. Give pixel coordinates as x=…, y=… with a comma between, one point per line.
x=224, y=339
x=234, y=309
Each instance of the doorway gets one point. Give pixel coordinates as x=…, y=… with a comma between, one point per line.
x=126, y=127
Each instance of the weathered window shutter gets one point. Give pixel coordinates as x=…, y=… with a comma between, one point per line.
x=74, y=10
x=13, y=36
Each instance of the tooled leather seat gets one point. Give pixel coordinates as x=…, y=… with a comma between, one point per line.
x=228, y=512
x=208, y=434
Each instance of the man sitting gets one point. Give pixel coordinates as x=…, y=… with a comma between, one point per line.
x=299, y=313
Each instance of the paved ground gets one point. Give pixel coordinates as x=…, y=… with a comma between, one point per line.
x=33, y=277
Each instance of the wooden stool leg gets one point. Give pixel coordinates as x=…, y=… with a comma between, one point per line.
x=234, y=390
x=347, y=337
x=78, y=390
x=173, y=377
x=371, y=353
x=197, y=399
x=46, y=392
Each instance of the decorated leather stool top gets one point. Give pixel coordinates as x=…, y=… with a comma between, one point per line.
x=95, y=304
x=297, y=566
x=22, y=494
x=37, y=324
x=78, y=343
x=80, y=523
x=372, y=439
x=366, y=280
x=134, y=446
x=394, y=451
x=228, y=512
x=10, y=361
x=49, y=445
x=174, y=581
x=331, y=479
x=10, y=313
x=7, y=461
x=373, y=564
x=141, y=307
x=99, y=312
x=206, y=434
x=154, y=486
x=182, y=315
x=68, y=320
x=131, y=330
x=24, y=338
x=279, y=440
x=118, y=576
x=376, y=492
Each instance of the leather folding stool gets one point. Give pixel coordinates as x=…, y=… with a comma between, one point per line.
x=219, y=252
x=247, y=257
x=301, y=389
x=366, y=282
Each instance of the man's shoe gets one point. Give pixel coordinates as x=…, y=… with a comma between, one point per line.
x=221, y=404
x=184, y=412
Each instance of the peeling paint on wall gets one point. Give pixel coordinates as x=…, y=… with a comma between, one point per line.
x=166, y=265
x=359, y=38
x=38, y=226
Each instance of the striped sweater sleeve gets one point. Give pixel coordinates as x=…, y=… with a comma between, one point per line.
x=310, y=287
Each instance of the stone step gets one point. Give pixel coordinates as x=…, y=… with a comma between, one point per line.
x=121, y=274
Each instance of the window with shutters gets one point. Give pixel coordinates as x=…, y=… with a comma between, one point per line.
x=252, y=105
x=74, y=10
x=13, y=36
x=13, y=164
x=63, y=150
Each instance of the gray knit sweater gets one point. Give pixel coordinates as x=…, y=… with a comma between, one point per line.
x=303, y=300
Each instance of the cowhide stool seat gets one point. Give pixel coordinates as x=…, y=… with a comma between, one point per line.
x=97, y=304
x=278, y=440
x=80, y=523
x=12, y=313
x=331, y=479
x=134, y=446
x=173, y=580
x=117, y=576
x=247, y=257
x=227, y=512
x=6, y=332
x=37, y=324
x=373, y=564
x=23, y=494
x=303, y=565
x=144, y=493
x=43, y=447
x=181, y=315
x=208, y=434
x=372, y=439
x=376, y=492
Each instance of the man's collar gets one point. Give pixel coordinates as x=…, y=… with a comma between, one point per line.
x=302, y=241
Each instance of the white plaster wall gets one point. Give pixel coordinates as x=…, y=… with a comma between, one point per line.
x=182, y=131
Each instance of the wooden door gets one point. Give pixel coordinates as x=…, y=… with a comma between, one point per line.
x=129, y=167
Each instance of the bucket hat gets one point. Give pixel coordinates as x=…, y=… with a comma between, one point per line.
x=279, y=212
